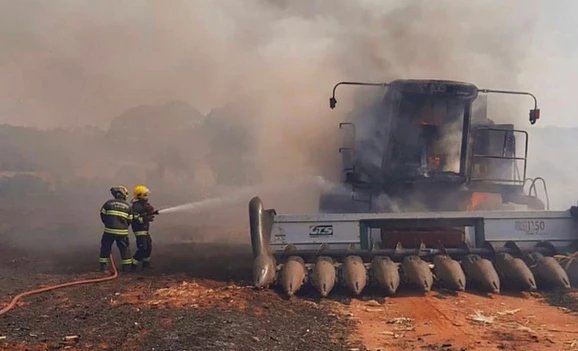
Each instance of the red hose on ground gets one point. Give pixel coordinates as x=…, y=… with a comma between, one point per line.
x=15, y=300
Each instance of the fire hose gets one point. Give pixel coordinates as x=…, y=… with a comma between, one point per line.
x=17, y=298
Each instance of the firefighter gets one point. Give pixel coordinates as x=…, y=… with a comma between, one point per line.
x=116, y=215
x=143, y=213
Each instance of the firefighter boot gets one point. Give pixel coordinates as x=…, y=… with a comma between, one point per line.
x=146, y=265
x=103, y=267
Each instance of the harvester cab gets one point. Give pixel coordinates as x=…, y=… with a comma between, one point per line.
x=428, y=181
x=421, y=147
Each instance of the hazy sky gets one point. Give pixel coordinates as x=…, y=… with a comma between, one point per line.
x=74, y=63
x=552, y=67
x=71, y=63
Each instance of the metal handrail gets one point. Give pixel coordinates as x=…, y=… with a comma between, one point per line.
x=513, y=158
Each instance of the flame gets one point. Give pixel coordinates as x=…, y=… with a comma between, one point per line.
x=477, y=200
x=434, y=162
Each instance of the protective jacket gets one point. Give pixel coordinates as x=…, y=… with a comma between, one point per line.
x=143, y=214
x=116, y=215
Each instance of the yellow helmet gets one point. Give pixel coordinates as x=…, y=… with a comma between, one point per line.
x=140, y=192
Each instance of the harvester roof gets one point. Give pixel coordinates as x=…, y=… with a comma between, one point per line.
x=435, y=87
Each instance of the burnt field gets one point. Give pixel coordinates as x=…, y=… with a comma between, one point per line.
x=198, y=297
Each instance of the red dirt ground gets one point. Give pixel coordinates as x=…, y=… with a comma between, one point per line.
x=464, y=322
x=198, y=298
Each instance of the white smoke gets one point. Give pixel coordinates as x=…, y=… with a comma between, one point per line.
x=73, y=63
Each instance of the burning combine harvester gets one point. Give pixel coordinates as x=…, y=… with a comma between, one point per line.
x=428, y=181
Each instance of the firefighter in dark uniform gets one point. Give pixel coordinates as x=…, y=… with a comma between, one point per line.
x=143, y=214
x=116, y=215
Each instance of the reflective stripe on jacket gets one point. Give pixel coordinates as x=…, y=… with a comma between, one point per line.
x=116, y=215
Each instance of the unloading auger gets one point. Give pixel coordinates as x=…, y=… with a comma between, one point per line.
x=432, y=192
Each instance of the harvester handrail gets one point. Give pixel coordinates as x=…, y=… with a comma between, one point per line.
x=533, y=187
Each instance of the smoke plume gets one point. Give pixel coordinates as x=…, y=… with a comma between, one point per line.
x=248, y=81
